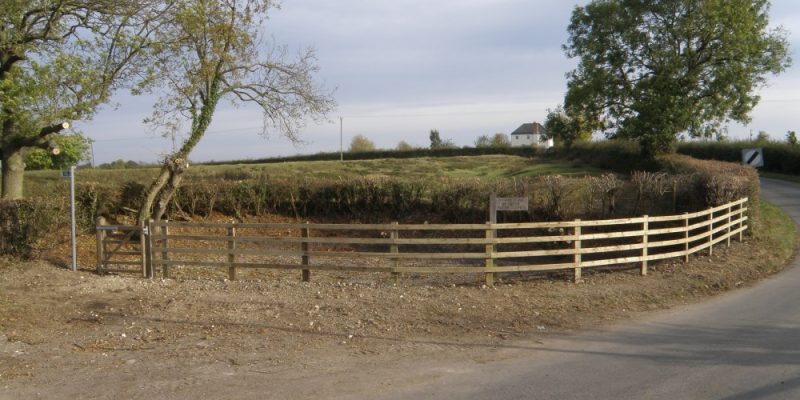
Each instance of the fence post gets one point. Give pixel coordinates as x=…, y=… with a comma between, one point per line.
x=394, y=248
x=686, y=237
x=101, y=246
x=489, y=276
x=577, y=257
x=710, y=233
x=645, y=226
x=741, y=222
x=304, y=246
x=164, y=233
x=165, y=253
x=146, y=243
x=729, y=224
x=231, y=254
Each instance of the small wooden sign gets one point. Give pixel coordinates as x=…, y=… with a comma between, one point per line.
x=505, y=204
x=512, y=204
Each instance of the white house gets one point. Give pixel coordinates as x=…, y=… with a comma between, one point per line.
x=531, y=134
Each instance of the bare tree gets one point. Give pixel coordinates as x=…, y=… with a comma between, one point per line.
x=214, y=50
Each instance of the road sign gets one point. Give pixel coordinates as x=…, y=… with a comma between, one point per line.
x=66, y=173
x=753, y=157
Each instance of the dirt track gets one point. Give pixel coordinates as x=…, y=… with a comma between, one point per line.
x=270, y=336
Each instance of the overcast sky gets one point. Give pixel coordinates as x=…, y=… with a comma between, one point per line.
x=402, y=68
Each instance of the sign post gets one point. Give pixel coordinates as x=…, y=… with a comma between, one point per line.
x=500, y=204
x=71, y=175
x=505, y=204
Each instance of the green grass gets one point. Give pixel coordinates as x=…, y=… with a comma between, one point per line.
x=779, y=230
x=484, y=167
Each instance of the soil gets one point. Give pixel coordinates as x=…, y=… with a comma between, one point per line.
x=269, y=335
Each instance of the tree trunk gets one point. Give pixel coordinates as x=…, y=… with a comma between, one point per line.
x=162, y=189
x=13, y=173
x=167, y=182
x=176, y=175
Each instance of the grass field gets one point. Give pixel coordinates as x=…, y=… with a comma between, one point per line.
x=488, y=167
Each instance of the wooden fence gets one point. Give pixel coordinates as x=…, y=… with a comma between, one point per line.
x=438, y=248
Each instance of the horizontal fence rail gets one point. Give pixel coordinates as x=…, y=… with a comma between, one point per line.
x=441, y=248
x=120, y=248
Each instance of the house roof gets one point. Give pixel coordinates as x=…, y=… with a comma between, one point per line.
x=530, y=128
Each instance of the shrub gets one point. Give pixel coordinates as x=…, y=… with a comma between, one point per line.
x=28, y=226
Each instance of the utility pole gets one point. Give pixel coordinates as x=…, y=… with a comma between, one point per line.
x=91, y=144
x=341, y=145
x=751, y=135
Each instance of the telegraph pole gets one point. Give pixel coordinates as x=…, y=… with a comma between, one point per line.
x=341, y=145
x=91, y=144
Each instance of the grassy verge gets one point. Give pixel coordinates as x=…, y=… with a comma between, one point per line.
x=780, y=233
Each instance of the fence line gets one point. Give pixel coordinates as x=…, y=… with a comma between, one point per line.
x=438, y=248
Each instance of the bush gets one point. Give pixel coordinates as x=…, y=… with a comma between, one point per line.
x=620, y=156
x=28, y=226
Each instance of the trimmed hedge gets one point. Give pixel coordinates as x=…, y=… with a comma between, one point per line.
x=779, y=157
x=27, y=226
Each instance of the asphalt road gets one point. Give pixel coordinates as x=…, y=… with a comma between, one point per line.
x=742, y=345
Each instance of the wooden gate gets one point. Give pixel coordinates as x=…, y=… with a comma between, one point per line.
x=120, y=248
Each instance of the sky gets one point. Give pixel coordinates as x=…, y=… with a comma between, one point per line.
x=401, y=68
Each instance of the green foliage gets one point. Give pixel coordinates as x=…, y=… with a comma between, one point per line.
x=60, y=60
x=437, y=143
x=791, y=138
x=436, y=140
x=622, y=156
x=72, y=148
x=361, y=143
x=654, y=69
x=568, y=128
x=779, y=157
x=212, y=51
x=123, y=164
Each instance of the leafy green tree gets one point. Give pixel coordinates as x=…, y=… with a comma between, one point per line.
x=69, y=150
x=214, y=51
x=567, y=128
x=361, y=143
x=654, y=69
x=763, y=137
x=436, y=139
x=791, y=138
x=60, y=60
